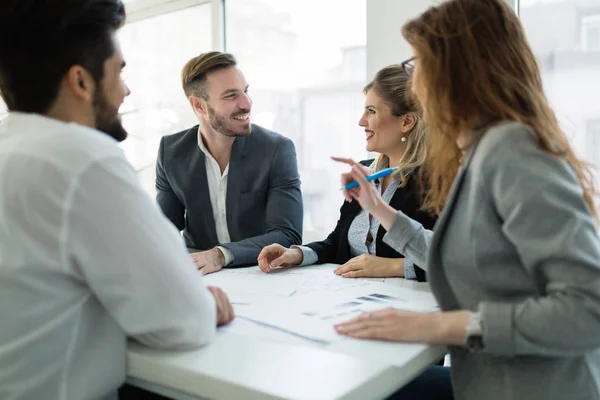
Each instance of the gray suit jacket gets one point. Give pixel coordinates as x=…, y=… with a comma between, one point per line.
x=264, y=202
x=516, y=241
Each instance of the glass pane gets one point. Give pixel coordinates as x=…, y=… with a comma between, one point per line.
x=562, y=33
x=306, y=79
x=3, y=109
x=156, y=50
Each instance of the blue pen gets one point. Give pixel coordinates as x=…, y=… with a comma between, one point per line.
x=377, y=175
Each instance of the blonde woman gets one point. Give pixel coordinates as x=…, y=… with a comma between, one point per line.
x=394, y=129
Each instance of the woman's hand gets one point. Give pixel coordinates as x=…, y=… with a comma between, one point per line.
x=447, y=328
x=275, y=255
x=368, y=266
x=365, y=193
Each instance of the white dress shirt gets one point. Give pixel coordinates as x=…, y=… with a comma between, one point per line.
x=86, y=259
x=217, y=186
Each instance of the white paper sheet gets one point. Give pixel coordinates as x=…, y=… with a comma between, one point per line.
x=314, y=315
x=251, y=285
x=245, y=327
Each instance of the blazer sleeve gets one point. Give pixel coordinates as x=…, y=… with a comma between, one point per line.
x=167, y=200
x=410, y=238
x=284, y=209
x=411, y=208
x=540, y=203
x=328, y=249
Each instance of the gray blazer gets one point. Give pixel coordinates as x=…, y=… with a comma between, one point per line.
x=516, y=241
x=264, y=202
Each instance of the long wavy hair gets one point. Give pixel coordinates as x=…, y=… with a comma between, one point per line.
x=393, y=87
x=477, y=67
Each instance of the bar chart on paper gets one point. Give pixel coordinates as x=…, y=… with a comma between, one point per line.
x=313, y=315
x=301, y=305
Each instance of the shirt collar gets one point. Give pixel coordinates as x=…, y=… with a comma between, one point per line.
x=201, y=143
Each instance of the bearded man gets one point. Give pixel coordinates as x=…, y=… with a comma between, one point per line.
x=232, y=187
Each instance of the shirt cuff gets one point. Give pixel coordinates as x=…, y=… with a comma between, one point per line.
x=227, y=254
x=409, y=269
x=310, y=256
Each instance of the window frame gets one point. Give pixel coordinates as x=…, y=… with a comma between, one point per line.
x=144, y=9
x=585, y=22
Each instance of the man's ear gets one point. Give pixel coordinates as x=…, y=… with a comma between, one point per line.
x=80, y=83
x=410, y=120
x=198, y=104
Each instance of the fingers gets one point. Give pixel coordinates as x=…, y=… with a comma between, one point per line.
x=278, y=262
x=204, y=270
x=349, y=266
x=360, y=323
x=355, y=274
x=263, y=262
x=359, y=175
x=352, y=163
x=267, y=254
x=224, y=308
x=382, y=324
x=345, y=179
x=348, y=161
x=369, y=333
x=229, y=314
x=209, y=269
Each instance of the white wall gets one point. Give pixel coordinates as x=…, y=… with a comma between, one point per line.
x=385, y=44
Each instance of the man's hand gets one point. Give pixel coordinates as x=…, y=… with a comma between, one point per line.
x=209, y=261
x=275, y=255
x=224, y=309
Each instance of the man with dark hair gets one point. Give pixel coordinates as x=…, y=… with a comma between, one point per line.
x=232, y=187
x=85, y=258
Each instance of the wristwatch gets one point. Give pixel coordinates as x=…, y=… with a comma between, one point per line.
x=474, y=332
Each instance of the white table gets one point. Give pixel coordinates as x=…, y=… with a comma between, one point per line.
x=251, y=367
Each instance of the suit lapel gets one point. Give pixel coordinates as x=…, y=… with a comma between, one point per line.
x=199, y=186
x=438, y=280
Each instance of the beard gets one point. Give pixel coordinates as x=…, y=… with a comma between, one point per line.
x=223, y=125
x=107, y=118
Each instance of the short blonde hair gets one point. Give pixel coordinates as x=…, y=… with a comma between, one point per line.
x=193, y=75
x=393, y=86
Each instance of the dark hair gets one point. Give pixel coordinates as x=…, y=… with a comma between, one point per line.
x=40, y=40
x=193, y=75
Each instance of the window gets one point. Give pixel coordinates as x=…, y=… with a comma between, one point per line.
x=571, y=74
x=590, y=33
x=3, y=109
x=156, y=49
x=306, y=70
x=593, y=134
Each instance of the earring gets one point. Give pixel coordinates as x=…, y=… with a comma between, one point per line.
x=403, y=139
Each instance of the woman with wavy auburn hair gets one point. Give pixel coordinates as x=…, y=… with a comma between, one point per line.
x=514, y=261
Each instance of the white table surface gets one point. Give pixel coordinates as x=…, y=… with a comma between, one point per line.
x=235, y=366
